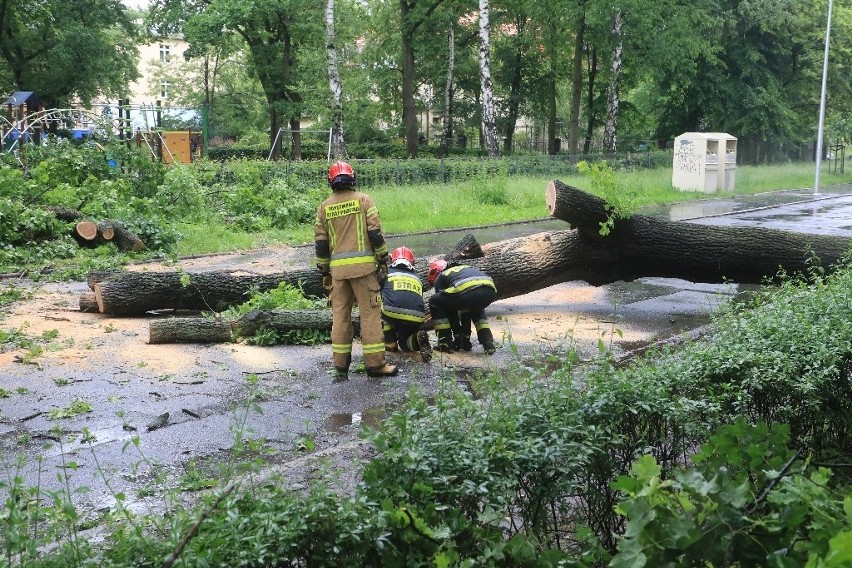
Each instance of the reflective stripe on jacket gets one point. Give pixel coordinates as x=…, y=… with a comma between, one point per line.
x=458, y=279
x=402, y=296
x=348, y=235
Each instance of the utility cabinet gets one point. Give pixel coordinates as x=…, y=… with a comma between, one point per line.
x=704, y=161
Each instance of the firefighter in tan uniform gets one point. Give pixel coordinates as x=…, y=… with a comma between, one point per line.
x=349, y=247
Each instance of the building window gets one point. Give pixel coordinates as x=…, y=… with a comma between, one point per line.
x=165, y=52
x=164, y=90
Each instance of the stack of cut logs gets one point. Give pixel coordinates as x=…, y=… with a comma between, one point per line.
x=90, y=233
x=636, y=247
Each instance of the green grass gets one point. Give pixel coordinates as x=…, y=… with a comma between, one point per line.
x=428, y=207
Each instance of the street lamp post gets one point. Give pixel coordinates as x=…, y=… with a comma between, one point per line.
x=822, y=103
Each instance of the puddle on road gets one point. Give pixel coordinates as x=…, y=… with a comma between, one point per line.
x=372, y=417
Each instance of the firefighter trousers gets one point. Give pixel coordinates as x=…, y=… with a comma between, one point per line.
x=452, y=314
x=365, y=291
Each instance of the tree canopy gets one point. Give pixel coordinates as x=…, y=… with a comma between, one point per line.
x=67, y=49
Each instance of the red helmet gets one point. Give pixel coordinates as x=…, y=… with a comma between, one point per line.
x=436, y=267
x=402, y=256
x=340, y=173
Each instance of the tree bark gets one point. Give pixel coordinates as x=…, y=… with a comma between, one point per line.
x=489, y=118
x=576, y=84
x=447, y=131
x=613, y=100
x=643, y=246
x=125, y=240
x=338, y=146
x=207, y=330
x=130, y=293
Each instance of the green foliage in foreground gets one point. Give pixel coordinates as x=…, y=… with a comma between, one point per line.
x=730, y=451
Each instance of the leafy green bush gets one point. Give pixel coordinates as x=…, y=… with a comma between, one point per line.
x=284, y=297
x=748, y=500
x=112, y=182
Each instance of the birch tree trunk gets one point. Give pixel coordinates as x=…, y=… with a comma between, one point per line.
x=489, y=120
x=612, y=102
x=447, y=135
x=338, y=147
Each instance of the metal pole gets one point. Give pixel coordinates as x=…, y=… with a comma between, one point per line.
x=822, y=103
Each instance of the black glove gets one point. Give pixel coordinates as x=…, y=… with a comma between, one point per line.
x=382, y=273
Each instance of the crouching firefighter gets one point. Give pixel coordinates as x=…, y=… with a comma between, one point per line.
x=350, y=248
x=403, y=309
x=461, y=295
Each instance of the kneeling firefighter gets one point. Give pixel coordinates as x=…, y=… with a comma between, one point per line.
x=403, y=309
x=461, y=295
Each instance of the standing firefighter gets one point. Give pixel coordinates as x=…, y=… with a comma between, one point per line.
x=403, y=310
x=349, y=246
x=461, y=295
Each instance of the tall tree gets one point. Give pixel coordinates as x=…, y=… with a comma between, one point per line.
x=413, y=15
x=65, y=50
x=278, y=34
x=518, y=65
x=577, y=81
x=489, y=120
x=338, y=146
x=613, y=99
x=447, y=130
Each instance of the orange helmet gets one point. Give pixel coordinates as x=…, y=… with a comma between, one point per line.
x=402, y=256
x=340, y=173
x=436, y=267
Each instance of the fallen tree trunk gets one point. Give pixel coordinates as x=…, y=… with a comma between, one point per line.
x=129, y=293
x=206, y=330
x=643, y=246
x=636, y=247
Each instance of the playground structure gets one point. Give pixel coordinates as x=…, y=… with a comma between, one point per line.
x=26, y=121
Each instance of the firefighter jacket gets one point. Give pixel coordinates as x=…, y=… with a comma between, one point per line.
x=402, y=296
x=456, y=280
x=348, y=235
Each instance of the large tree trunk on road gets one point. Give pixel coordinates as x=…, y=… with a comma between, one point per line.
x=636, y=247
x=130, y=293
x=644, y=246
x=206, y=330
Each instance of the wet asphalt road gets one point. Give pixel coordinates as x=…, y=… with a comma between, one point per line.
x=185, y=405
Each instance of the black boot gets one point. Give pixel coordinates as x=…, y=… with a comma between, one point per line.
x=341, y=374
x=462, y=343
x=486, y=339
x=382, y=371
x=445, y=341
x=423, y=345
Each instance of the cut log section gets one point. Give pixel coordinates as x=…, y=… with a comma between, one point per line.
x=206, y=330
x=86, y=230
x=106, y=230
x=131, y=293
x=88, y=302
x=124, y=239
x=90, y=233
x=466, y=248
